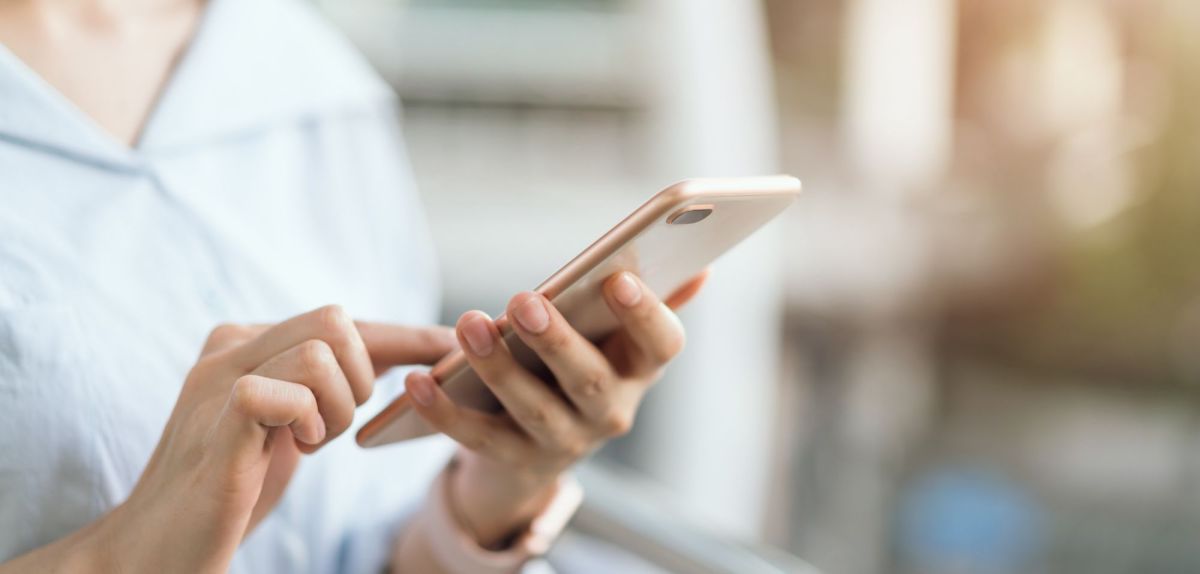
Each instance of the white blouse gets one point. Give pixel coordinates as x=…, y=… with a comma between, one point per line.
x=270, y=180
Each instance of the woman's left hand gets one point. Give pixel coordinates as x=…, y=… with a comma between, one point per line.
x=514, y=459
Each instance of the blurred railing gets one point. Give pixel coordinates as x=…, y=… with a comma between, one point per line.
x=631, y=522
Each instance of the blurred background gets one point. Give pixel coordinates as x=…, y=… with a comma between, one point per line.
x=974, y=345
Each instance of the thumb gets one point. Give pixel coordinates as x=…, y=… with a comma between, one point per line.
x=392, y=345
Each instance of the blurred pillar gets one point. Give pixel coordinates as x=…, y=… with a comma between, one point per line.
x=898, y=119
x=898, y=73
x=706, y=430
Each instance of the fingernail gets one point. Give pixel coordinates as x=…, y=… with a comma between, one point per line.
x=420, y=388
x=626, y=290
x=532, y=314
x=479, y=337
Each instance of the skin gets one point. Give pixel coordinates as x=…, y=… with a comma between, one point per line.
x=111, y=58
x=257, y=400
x=261, y=397
x=511, y=461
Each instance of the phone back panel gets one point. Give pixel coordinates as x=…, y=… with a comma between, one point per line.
x=665, y=255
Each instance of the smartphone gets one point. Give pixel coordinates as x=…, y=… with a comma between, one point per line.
x=668, y=240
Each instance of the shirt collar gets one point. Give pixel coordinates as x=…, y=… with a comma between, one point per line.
x=251, y=65
x=34, y=114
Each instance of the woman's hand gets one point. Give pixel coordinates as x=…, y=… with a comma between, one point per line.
x=513, y=459
x=257, y=398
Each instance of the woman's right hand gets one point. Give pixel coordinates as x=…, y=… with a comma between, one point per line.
x=257, y=398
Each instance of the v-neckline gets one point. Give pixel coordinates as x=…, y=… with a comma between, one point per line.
x=251, y=65
x=74, y=113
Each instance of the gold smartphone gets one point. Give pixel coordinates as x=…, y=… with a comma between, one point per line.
x=668, y=240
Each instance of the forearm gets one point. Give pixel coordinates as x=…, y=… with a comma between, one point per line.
x=85, y=550
x=136, y=536
x=413, y=551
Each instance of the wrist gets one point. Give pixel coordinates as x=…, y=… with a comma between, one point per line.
x=157, y=531
x=437, y=540
x=514, y=480
x=494, y=500
x=97, y=547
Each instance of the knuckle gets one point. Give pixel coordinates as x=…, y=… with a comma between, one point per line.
x=478, y=442
x=537, y=415
x=617, y=423
x=555, y=341
x=508, y=455
x=334, y=321
x=315, y=357
x=576, y=449
x=676, y=343
x=494, y=376
x=669, y=346
x=653, y=376
x=427, y=338
x=247, y=394
x=226, y=332
x=203, y=370
x=592, y=384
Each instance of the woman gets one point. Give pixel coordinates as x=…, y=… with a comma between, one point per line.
x=167, y=166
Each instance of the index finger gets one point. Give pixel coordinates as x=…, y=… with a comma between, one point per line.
x=229, y=335
x=392, y=345
x=330, y=324
x=689, y=290
x=388, y=344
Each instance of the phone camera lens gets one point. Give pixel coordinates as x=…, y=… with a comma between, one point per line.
x=690, y=214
